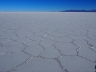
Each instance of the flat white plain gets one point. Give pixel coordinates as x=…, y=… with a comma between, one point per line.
x=47, y=42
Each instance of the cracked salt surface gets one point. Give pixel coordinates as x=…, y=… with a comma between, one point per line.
x=47, y=42
x=50, y=52
x=77, y=64
x=89, y=54
x=11, y=60
x=11, y=48
x=67, y=48
x=40, y=65
x=34, y=50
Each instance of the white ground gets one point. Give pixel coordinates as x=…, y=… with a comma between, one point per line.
x=47, y=42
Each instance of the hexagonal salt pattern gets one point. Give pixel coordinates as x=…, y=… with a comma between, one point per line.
x=11, y=48
x=11, y=60
x=40, y=65
x=87, y=53
x=81, y=43
x=77, y=64
x=67, y=48
x=34, y=50
x=50, y=52
x=47, y=42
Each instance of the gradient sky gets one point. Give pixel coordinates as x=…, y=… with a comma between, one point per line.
x=45, y=5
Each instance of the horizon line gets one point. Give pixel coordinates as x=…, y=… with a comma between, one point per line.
x=54, y=11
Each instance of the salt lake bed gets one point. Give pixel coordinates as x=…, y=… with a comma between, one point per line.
x=47, y=42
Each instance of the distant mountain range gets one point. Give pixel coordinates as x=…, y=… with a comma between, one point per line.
x=72, y=10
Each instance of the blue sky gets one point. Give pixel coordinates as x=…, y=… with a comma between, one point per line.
x=45, y=5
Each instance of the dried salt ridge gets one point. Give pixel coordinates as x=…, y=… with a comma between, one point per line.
x=48, y=42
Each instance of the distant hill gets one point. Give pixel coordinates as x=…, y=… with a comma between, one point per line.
x=72, y=10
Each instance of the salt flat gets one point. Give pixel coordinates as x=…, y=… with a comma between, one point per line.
x=47, y=42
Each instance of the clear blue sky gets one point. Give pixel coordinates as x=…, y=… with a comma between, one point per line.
x=45, y=5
